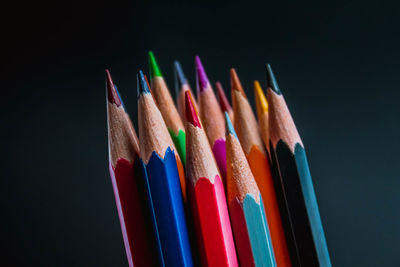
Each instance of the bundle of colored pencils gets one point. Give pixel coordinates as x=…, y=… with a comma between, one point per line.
x=206, y=183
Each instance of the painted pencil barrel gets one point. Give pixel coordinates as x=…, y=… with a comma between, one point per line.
x=164, y=193
x=219, y=151
x=261, y=170
x=251, y=232
x=301, y=206
x=213, y=227
x=133, y=214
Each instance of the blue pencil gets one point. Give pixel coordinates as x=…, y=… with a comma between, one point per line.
x=157, y=154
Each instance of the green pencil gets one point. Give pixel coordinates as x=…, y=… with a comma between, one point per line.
x=169, y=113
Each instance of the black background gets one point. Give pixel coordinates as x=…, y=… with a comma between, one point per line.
x=336, y=63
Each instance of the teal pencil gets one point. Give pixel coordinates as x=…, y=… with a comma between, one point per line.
x=250, y=227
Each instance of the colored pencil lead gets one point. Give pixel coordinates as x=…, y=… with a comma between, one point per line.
x=271, y=81
x=223, y=100
x=154, y=69
x=191, y=113
x=229, y=126
x=113, y=96
x=235, y=82
x=202, y=79
x=261, y=100
x=142, y=85
x=180, y=78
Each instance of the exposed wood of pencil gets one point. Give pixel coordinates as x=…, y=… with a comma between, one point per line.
x=288, y=152
x=127, y=182
x=181, y=86
x=245, y=124
x=249, y=135
x=206, y=194
x=156, y=137
x=164, y=101
x=223, y=101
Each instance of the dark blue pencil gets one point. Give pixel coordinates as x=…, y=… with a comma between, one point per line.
x=157, y=154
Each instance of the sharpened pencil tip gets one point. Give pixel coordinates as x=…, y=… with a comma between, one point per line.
x=201, y=75
x=235, y=82
x=112, y=94
x=154, y=69
x=223, y=100
x=142, y=85
x=229, y=126
x=271, y=81
x=191, y=114
x=180, y=78
x=261, y=100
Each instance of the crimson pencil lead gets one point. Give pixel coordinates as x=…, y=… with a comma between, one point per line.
x=191, y=114
x=235, y=82
x=112, y=94
x=271, y=81
x=154, y=69
x=142, y=85
x=201, y=75
x=223, y=101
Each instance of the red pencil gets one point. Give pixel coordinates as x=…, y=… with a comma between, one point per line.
x=207, y=196
x=127, y=181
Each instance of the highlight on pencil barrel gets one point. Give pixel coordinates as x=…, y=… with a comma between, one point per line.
x=157, y=153
x=288, y=156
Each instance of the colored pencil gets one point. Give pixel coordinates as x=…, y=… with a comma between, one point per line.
x=162, y=179
x=127, y=181
x=181, y=86
x=170, y=115
x=223, y=101
x=207, y=196
x=211, y=117
x=288, y=156
x=246, y=208
x=249, y=136
x=262, y=112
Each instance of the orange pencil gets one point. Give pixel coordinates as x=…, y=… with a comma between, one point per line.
x=248, y=133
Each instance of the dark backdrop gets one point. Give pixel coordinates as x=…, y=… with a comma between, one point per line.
x=336, y=63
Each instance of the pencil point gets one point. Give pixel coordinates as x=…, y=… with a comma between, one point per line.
x=261, y=100
x=180, y=78
x=142, y=85
x=154, y=69
x=235, y=82
x=229, y=126
x=271, y=81
x=201, y=75
x=191, y=114
x=223, y=101
x=112, y=93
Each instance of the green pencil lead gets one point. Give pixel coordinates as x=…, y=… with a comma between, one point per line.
x=154, y=69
